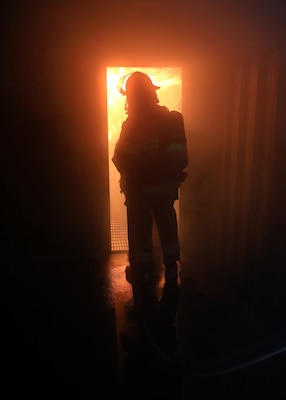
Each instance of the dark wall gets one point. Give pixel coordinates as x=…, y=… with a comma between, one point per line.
x=53, y=135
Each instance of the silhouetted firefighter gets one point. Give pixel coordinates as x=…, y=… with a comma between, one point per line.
x=150, y=155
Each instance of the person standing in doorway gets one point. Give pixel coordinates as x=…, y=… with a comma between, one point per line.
x=151, y=156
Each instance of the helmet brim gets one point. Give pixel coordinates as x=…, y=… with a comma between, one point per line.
x=124, y=93
x=122, y=81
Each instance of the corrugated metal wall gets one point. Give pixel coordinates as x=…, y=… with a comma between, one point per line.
x=227, y=202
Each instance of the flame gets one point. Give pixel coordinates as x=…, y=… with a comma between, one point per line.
x=170, y=93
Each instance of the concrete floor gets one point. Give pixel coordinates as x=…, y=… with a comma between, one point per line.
x=69, y=331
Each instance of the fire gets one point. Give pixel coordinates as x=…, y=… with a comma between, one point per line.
x=170, y=93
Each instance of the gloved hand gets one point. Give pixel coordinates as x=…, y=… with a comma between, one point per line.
x=122, y=183
x=182, y=176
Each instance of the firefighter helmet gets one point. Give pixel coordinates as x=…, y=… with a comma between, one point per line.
x=137, y=81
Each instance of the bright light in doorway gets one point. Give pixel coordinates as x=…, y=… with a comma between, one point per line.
x=170, y=93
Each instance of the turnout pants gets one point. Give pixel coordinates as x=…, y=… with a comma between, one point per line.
x=142, y=207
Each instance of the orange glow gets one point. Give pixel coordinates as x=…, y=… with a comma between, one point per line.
x=170, y=93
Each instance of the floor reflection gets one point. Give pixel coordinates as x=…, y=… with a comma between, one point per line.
x=161, y=328
x=146, y=331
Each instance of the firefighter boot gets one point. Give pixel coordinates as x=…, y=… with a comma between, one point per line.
x=143, y=275
x=171, y=273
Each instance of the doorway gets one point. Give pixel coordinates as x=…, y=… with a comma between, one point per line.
x=170, y=94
